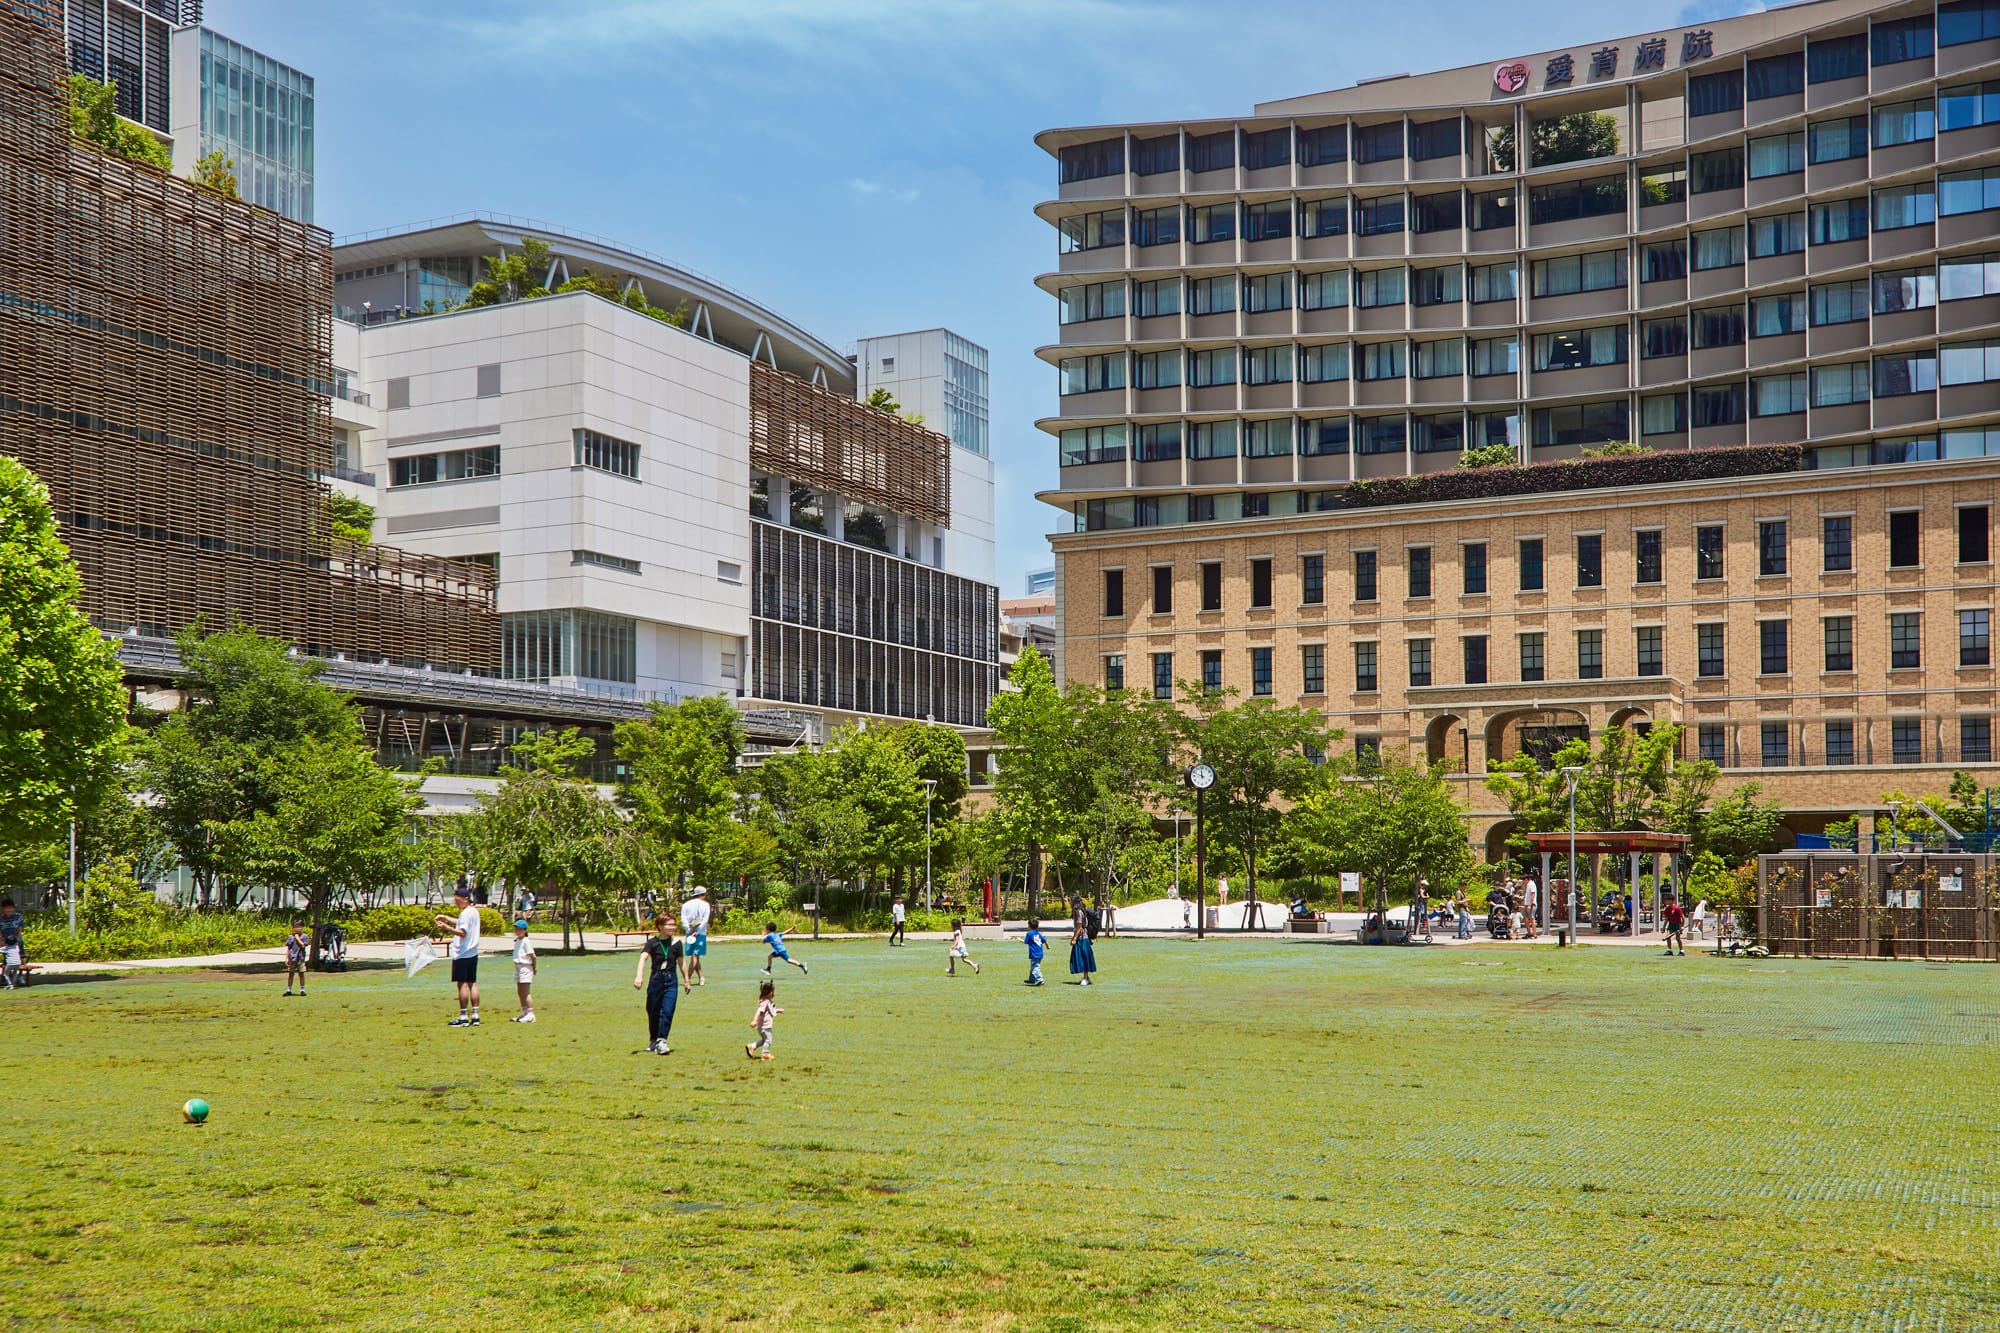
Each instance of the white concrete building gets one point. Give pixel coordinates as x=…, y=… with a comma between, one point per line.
x=942, y=377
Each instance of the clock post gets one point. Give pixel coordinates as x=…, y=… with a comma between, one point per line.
x=1201, y=777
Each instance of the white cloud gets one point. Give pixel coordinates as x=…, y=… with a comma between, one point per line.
x=867, y=189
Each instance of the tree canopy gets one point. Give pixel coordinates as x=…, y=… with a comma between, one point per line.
x=548, y=828
x=1393, y=820
x=93, y=115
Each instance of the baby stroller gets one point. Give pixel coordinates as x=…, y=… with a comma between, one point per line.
x=332, y=948
x=1496, y=920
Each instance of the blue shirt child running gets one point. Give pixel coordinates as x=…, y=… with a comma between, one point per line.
x=776, y=939
x=1037, y=945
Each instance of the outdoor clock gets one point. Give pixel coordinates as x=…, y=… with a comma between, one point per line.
x=1201, y=777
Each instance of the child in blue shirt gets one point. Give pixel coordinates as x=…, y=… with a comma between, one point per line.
x=776, y=939
x=1037, y=947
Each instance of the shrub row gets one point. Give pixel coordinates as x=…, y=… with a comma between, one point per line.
x=185, y=934
x=1581, y=474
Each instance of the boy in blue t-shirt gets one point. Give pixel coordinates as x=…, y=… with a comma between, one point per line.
x=1037, y=947
x=776, y=939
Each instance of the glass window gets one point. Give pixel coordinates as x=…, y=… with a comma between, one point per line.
x=1842, y=220
x=1574, y=349
x=1383, y=435
x=1905, y=539
x=1771, y=546
x=1088, y=161
x=1975, y=631
x=1312, y=668
x=1211, y=586
x=1323, y=291
x=1494, y=356
x=1718, y=405
x=1096, y=300
x=1268, y=221
x=1312, y=579
x=1665, y=261
x=1490, y=428
x=1663, y=414
x=1267, y=291
x=1379, y=287
x=1114, y=592
x=1163, y=590
x=1772, y=315
x=1912, y=372
x=1713, y=94
x=1092, y=231
x=1975, y=740
x=1906, y=740
x=1974, y=529
x=1773, y=641
x=1323, y=217
x=1378, y=143
x=1721, y=169
x=1646, y=556
x=1904, y=122
x=1431, y=213
x=1162, y=296
x=1776, y=743
x=1441, y=433
x=602, y=452
x=1382, y=361
x=1324, y=435
x=1435, y=360
x=1211, y=670
x=1781, y=234
x=1708, y=552
x=1837, y=140
x=1156, y=370
x=1420, y=662
x=1212, y=222
x=1968, y=105
x=1157, y=226
x=1710, y=743
x=1473, y=647
x=1260, y=671
x=1590, y=654
x=1433, y=139
x=1652, y=653
x=1212, y=439
x=1437, y=286
x=1893, y=41
x=1093, y=444
x=1663, y=186
x=1590, y=560
x=1718, y=326
x=1091, y=374
x=1212, y=296
x=1150, y=157
x=1268, y=439
x=1599, y=271
x=1958, y=192
x=1267, y=148
x=1472, y=567
x=1492, y=210
x=456, y=465
x=1836, y=386
x=1533, y=659
x=1364, y=667
x=1531, y=564
x=1906, y=639
x=1837, y=58
x=1322, y=145
x=1777, y=155
x=1838, y=635
x=1969, y=363
x=1708, y=654
x=1718, y=247
x=1962, y=21
x=1212, y=152
x=1906, y=206
x=1836, y=543
x=1775, y=76
x=1566, y=201
x=1364, y=576
x=1582, y=423
x=1163, y=675
x=1968, y=276
x=1378, y=216
x=1839, y=302
x=1325, y=363
x=1493, y=282
x=1778, y=395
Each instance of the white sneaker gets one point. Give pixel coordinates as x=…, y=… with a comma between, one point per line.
x=1084, y=982
x=766, y=972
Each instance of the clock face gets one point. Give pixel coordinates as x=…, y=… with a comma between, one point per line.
x=1201, y=777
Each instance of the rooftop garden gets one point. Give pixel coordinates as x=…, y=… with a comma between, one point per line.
x=1643, y=468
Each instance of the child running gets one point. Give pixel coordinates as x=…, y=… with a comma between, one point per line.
x=295, y=958
x=958, y=952
x=524, y=970
x=776, y=939
x=1037, y=946
x=767, y=1010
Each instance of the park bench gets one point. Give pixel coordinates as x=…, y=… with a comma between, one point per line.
x=618, y=935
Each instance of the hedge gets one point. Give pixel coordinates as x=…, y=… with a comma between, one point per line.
x=1580, y=474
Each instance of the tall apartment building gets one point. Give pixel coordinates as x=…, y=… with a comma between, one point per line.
x=1764, y=248
x=941, y=378
x=256, y=111
x=671, y=511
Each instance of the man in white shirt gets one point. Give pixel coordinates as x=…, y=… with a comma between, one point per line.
x=694, y=931
x=464, y=956
x=896, y=921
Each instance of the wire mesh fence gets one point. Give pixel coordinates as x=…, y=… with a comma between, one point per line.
x=1886, y=905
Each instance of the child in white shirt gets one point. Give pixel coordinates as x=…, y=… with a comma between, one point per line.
x=524, y=970
x=958, y=951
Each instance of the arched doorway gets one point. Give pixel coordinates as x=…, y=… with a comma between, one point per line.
x=1447, y=742
x=1497, y=850
x=1636, y=718
x=1538, y=732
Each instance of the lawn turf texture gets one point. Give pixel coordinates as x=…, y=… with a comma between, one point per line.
x=1232, y=1135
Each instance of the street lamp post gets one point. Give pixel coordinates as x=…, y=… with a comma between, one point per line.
x=1201, y=777
x=1572, y=774
x=72, y=865
x=1895, y=835
x=930, y=786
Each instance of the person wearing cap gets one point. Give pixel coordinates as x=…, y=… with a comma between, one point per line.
x=464, y=955
x=524, y=970
x=694, y=925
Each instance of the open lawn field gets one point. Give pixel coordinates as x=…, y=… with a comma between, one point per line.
x=1258, y=1135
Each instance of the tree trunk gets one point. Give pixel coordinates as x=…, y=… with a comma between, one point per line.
x=1034, y=880
x=318, y=920
x=1251, y=912
x=562, y=905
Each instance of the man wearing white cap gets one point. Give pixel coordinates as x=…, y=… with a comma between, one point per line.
x=694, y=927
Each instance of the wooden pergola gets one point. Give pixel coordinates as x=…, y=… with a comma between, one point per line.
x=1666, y=849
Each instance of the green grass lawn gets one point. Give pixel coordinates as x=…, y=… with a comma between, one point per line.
x=1235, y=1135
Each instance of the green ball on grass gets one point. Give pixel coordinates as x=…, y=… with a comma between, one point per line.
x=194, y=1111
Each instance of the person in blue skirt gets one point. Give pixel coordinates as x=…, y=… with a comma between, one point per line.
x=1082, y=958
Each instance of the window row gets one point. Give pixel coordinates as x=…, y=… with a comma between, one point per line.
x=451, y=465
x=1837, y=737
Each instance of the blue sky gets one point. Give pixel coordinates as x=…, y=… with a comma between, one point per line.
x=863, y=166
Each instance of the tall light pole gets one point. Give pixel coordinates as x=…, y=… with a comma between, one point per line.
x=1201, y=777
x=72, y=862
x=1895, y=837
x=930, y=786
x=1572, y=774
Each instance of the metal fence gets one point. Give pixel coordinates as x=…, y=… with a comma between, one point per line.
x=1881, y=905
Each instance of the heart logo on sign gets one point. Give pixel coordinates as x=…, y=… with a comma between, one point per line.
x=1511, y=77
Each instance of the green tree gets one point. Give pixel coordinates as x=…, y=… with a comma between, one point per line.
x=62, y=697
x=350, y=518
x=1118, y=763
x=338, y=820
x=1263, y=752
x=516, y=277
x=680, y=779
x=1740, y=826
x=1490, y=455
x=548, y=827
x=938, y=753
x=246, y=697
x=1394, y=820
x=93, y=115
x=884, y=401
x=818, y=827
x=877, y=777
x=1576, y=137
x=110, y=895
x=1031, y=731
x=216, y=173
x=1613, y=449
